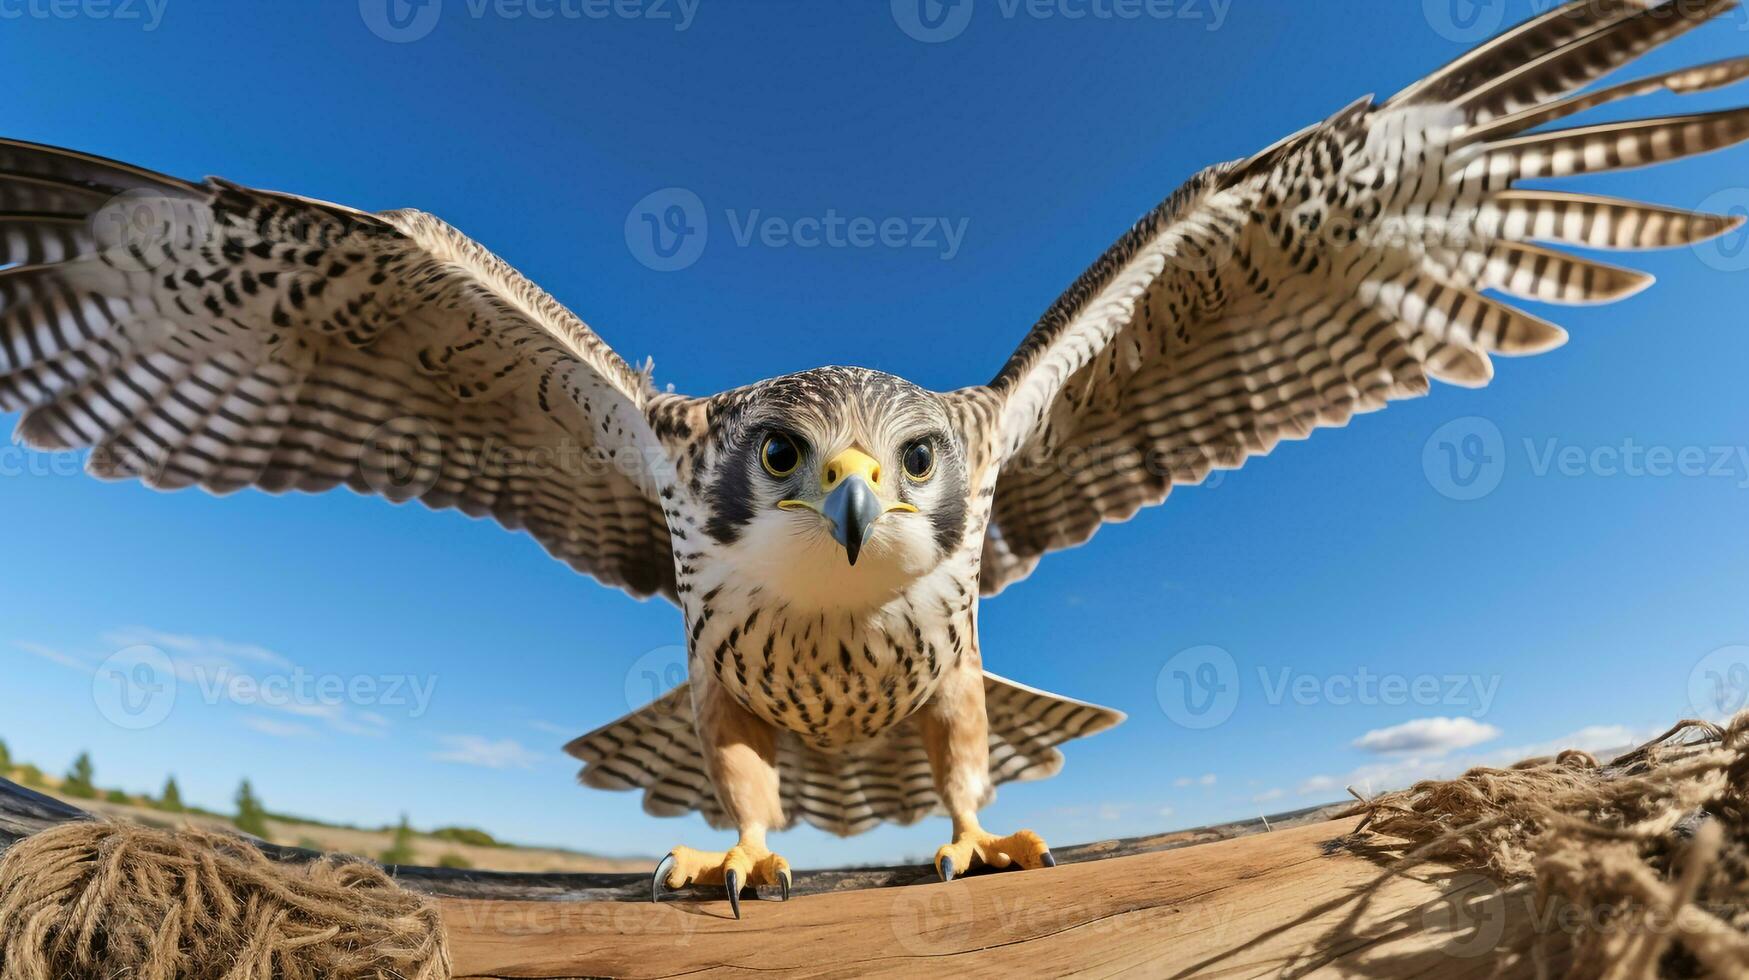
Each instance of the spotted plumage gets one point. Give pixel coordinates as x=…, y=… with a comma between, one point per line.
x=828, y=535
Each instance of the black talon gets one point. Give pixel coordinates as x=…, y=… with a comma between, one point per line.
x=783, y=883
x=947, y=869
x=733, y=880
x=1049, y=862
x=656, y=880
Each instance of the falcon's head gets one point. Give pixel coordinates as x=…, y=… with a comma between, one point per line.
x=836, y=486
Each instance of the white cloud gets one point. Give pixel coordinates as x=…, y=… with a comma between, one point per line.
x=1185, y=782
x=278, y=729
x=475, y=750
x=1086, y=812
x=250, y=675
x=1411, y=768
x=54, y=656
x=1430, y=735
x=1318, y=784
x=1592, y=738
x=1269, y=796
x=549, y=728
x=339, y=717
x=200, y=649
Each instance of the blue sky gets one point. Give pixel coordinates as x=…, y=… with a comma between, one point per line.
x=1366, y=625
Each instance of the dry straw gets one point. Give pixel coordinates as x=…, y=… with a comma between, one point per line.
x=1649, y=854
x=99, y=899
x=1651, y=850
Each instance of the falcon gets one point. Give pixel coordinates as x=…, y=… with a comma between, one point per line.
x=827, y=536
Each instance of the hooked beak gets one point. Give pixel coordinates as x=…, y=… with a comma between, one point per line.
x=851, y=483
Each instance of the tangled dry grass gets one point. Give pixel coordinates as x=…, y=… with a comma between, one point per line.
x=101, y=899
x=1640, y=868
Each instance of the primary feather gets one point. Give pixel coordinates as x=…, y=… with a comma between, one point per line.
x=1341, y=269
x=211, y=335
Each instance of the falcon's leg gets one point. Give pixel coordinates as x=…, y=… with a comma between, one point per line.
x=956, y=732
x=740, y=754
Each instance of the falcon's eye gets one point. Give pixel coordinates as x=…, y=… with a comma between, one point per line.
x=780, y=455
x=919, y=460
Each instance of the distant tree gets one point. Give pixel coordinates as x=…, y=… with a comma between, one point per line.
x=251, y=816
x=454, y=861
x=170, y=800
x=117, y=796
x=402, y=850
x=466, y=835
x=30, y=775
x=80, y=778
x=5, y=759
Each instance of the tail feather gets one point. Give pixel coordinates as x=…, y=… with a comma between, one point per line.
x=656, y=749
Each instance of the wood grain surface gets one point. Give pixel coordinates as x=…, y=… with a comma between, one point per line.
x=1301, y=900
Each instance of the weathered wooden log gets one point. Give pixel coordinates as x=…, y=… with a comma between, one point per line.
x=23, y=811
x=1293, y=902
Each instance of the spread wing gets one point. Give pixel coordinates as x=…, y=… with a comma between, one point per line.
x=1336, y=271
x=216, y=336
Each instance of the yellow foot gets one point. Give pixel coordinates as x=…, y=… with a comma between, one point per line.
x=975, y=847
x=739, y=867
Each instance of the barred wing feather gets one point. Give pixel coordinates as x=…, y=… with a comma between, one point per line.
x=216, y=336
x=1342, y=268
